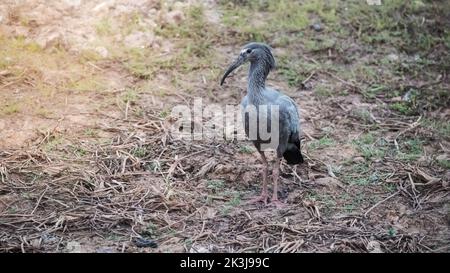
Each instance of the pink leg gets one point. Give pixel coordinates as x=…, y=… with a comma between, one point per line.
x=276, y=175
x=264, y=195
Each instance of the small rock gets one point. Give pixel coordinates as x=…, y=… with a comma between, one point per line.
x=307, y=86
x=102, y=51
x=73, y=247
x=105, y=250
x=172, y=248
x=407, y=96
x=36, y=243
x=317, y=27
x=392, y=57
x=358, y=159
x=49, y=239
x=142, y=242
x=374, y=247
x=329, y=182
x=199, y=249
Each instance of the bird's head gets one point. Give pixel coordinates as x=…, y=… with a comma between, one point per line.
x=253, y=53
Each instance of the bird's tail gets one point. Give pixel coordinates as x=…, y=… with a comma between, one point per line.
x=293, y=155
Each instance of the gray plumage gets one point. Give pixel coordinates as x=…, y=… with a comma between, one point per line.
x=261, y=63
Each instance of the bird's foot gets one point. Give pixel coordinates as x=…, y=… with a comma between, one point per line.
x=262, y=198
x=277, y=203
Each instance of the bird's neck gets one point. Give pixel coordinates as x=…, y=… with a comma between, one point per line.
x=257, y=81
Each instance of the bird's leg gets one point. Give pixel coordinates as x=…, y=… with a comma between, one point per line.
x=263, y=197
x=276, y=175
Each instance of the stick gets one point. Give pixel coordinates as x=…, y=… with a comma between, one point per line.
x=377, y=204
x=343, y=81
x=309, y=77
x=39, y=200
x=126, y=109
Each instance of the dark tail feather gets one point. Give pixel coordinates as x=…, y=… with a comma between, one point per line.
x=293, y=155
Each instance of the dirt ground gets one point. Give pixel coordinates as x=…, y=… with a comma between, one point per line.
x=88, y=162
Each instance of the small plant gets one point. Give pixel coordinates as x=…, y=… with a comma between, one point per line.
x=233, y=202
x=139, y=152
x=439, y=126
x=349, y=208
x=319, y=44
x=323, y=91
x=215, y=185
x=91, y=132
x=369, y=147
x=151, y=230
x=246, y=149
x=411, y=149
x=130, y=95
x=374, y=90
x=392, y=232
x=321, y=143
x=164, y=114
x=10, y=109
x=389, y=187
x=364, y=115
x=79, y=151
x=52, y=143
x=153, y=166
x=444, y=163
x=103, y=27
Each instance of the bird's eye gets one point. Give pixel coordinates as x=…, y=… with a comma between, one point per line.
x=249, y=51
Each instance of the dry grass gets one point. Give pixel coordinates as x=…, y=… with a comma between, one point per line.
x=157, y=189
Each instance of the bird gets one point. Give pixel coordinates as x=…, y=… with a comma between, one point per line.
x=262, y=61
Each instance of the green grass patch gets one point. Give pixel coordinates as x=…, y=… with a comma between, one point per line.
x=410, y=150
x=10, y=109
x=104, y=27
x=130, y=95
x=442, y=127
x=235, y=200
x=258, y=20
x=321, y=143
x=319, y=44
x=245, y=149
x=215, y=185
x=139, y=152
x=370, y=147
x=295, y=70
x=444, y=163
x=399, y=23
x=323, y=91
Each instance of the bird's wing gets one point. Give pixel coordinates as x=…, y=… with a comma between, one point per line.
x=287, y=107
x=289, y=112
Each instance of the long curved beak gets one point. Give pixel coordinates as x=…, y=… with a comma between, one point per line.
x=240, y=60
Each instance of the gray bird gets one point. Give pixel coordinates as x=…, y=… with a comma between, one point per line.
x=259, y=96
